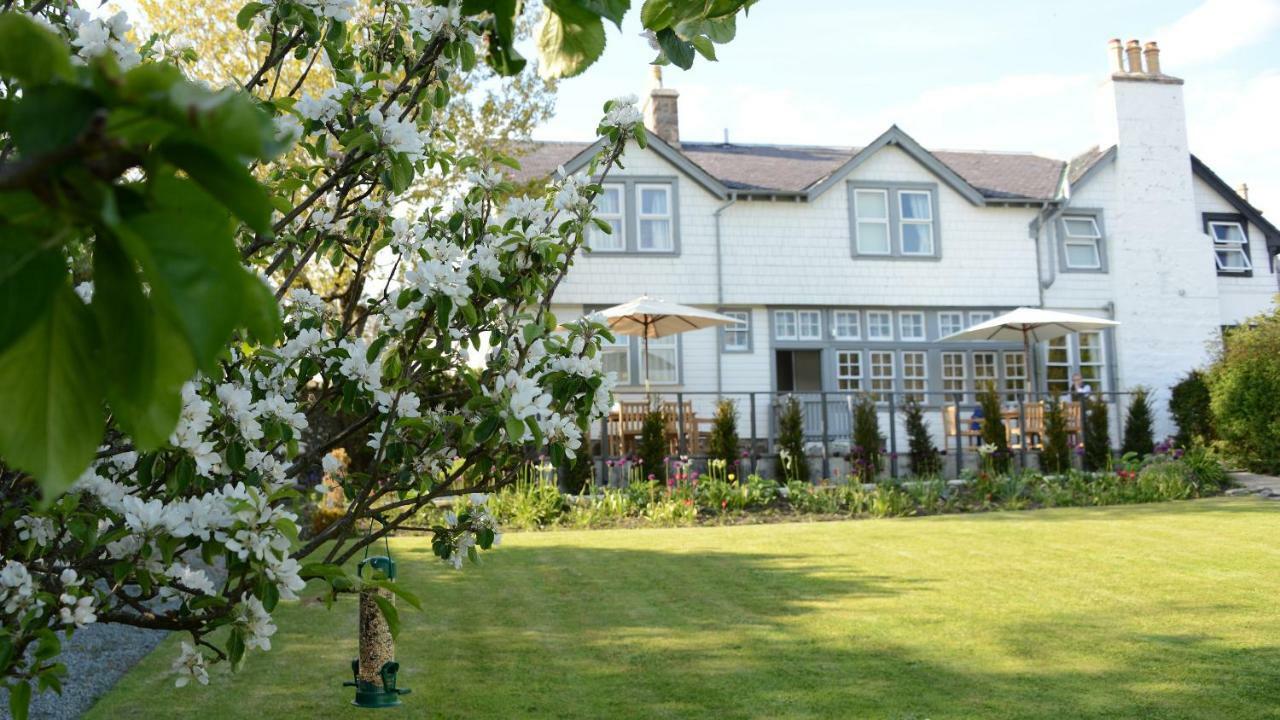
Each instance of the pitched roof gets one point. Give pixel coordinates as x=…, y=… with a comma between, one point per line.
x=797, y=168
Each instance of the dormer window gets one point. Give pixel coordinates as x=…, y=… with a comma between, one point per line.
x=894, y=220
x=1230, y=246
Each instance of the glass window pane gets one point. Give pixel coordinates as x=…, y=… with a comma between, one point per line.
x=609, y=201
x=873, y=238
x=911, y=326
x=784, y=324
x=915, y=206
x=653, y=201
x=1232, y=259
x=1228, y=232
x=810, y=325
x=848, y=370
x=844, y=325
x=662, y=364
x=872, y=204
x=1081, y=227
x=879, y=326
x=1082, y=255
x=917, y=238
x=655, y=235
x=950, y=322
x=597, y=239
x=979, y=317
x=953, y=371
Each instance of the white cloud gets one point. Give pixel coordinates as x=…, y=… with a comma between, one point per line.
x=1216, y=28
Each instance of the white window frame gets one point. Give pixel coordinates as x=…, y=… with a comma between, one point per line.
x=1092, y=241
x=1240, y=247
x=859, y=221
x=902, y=328
x=642, y=216
x=916, y=385
x=847, y=381
x=903, y=221
x=658, y=345
x=962, y=378
x=621, y=345
x=1009, y=359
x=847, y=315
x=1099, y=382
x=1064, y=345
x=980, y=382
x=741, y=327
x=977, y=317
x=814, y=331
x=875, y=379
x=888, y=316
x=777, y=325
x=955, y=315
x=618, y=240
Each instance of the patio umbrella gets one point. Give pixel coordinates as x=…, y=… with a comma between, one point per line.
x=1028, y=325
x=648, y=317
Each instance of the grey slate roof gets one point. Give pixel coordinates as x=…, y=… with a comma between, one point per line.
x=1084, y=162
x=795, y=168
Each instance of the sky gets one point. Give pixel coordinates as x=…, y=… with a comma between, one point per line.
x=1013, y=76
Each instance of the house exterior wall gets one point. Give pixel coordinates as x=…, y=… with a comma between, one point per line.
x=1158, y=276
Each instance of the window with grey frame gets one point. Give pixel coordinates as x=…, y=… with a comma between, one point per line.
x=643, y=213
x=894, y=220
x=736, y=337
x=623, y=358
x=1081, y=241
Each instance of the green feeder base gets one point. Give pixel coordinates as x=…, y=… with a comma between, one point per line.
x=369, y=695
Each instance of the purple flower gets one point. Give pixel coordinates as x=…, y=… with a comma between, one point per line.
x=652, y=476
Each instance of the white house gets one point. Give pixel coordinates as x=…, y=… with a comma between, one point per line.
x=845, y=265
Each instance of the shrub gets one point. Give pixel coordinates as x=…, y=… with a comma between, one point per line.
x=791, y=441
x=1189, y=404
x=1244, y=391
x=1205, y=469
x=652, y=450
x=865, y=456
x=1138, y=434
x=723, y=442
x=1055, y=457
x=993, y=432
x=925, y=461
x=578, y=473
x=1097, y=435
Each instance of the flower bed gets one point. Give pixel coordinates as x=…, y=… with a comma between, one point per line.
x=533, y=503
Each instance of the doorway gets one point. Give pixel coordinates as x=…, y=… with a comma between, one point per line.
x=798, y=370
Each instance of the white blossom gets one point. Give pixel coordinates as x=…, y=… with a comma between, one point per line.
x=190, y=666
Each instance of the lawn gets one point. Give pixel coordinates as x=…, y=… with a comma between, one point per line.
x=1151, y=611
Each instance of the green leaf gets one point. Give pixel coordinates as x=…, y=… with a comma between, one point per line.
x=679, y=52
x=611, y=10
x=51, y=379
x=388, y=613
x=235, y=648
x=19, y=692
x=704, y=47
x=29, y=276
x=146, y=360
x=569, y=40
x=656, y=14
x=30, y=53
x=245, y=17
x=50, y=118
x=184, y=244
x=399, y=591
x=225, y=179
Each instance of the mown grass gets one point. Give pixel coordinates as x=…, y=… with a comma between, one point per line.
x=1148, y=611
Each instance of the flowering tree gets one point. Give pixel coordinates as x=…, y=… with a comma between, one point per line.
x=163, y=344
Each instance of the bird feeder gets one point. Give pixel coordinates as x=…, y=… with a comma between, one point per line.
x=375, y=669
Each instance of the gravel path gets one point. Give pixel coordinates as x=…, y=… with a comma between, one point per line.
x=96, y=658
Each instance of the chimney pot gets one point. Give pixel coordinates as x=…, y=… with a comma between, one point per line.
x=1116, y=49
x=1152, y=53
x=1134, y=50
x=1243, y=191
